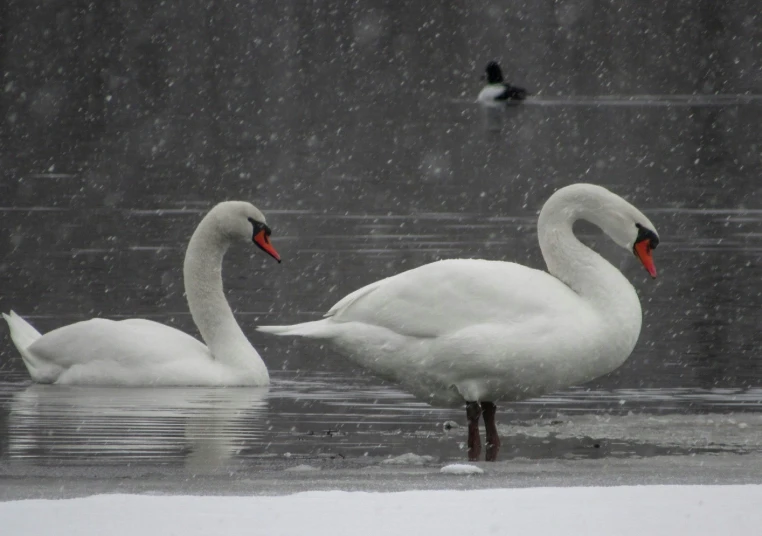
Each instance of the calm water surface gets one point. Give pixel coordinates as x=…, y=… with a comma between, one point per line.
x=698, y=353
x=325, y=418
x=353, y=130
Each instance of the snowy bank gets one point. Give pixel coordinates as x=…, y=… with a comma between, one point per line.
x=625, y=511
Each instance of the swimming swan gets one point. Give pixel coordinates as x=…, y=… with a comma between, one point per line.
x=140, y=352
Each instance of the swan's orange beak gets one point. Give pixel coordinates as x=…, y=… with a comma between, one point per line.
x=643, y=251
x=262, y=240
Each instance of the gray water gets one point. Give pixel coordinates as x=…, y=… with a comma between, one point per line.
x=352, y=129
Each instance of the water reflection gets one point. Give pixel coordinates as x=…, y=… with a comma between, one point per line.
x=199, y=427
x=350, y=420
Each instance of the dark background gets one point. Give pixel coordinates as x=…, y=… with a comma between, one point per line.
x=350, y=125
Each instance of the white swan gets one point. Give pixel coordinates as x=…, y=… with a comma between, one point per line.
x=478, y=331
x=142, y=352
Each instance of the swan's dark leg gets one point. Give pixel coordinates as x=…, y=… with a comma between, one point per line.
x=473, y=412
x=493, y=441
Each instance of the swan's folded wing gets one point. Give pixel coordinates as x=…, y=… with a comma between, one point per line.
x=447, y=296
x=344, y=303
x=129, y=342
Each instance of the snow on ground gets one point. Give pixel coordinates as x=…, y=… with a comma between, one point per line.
x=624, y=511
x=461, y=469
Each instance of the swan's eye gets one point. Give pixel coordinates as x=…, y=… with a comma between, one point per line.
x=646, y=234
x=259, y=226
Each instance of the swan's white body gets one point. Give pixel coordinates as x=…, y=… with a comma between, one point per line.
x=476, y=330
x=141, y=352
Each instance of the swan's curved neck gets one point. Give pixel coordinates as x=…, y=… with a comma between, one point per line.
x=202, y=272
x=588, y=274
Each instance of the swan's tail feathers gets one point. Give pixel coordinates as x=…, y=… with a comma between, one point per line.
x=317, y=330
x=22, y=332
x=23, y=335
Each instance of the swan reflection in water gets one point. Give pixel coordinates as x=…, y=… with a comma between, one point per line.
x=203, y=428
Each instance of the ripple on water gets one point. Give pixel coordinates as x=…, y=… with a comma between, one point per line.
x=322, y=416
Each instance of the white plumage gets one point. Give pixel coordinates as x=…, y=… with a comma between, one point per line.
x=142, y=352
x=468, y=330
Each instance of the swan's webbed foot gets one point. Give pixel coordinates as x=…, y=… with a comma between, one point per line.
x=493, y=441
x=473, y=412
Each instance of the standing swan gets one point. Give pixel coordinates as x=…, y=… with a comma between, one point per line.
x=142, y=352
x=477, y=331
